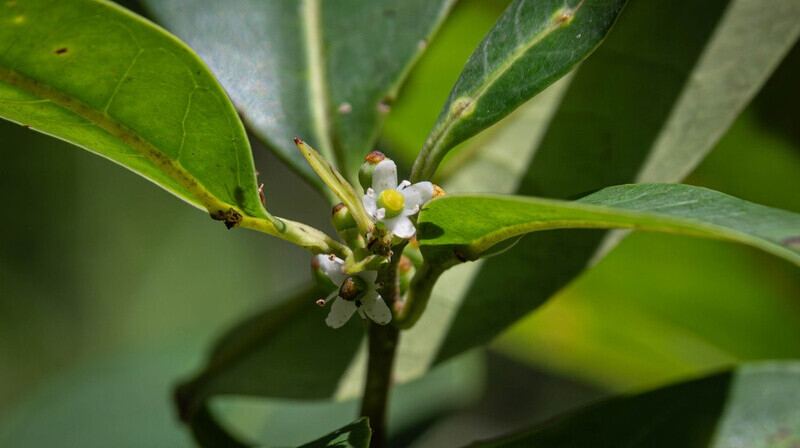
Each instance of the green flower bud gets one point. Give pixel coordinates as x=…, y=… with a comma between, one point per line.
x=346, y=226
x=368, y=167
x=342, y=218
x=405, y=272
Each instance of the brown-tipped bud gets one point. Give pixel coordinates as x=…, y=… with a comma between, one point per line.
x=375, y=157
x=341, y=218
x=438, y=191
x=368, y=167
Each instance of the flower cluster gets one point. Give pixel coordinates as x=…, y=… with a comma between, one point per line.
x=385, y=212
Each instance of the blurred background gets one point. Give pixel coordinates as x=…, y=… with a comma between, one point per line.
x=111, y=290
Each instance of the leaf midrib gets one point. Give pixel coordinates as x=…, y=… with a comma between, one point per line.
x=168, y=166
x=435, y=139
x=318, y=90
x=696, y=228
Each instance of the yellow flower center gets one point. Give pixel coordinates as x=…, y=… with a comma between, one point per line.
x=393, y=201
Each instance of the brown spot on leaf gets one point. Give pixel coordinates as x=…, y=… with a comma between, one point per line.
x=61, y=50
x=231, y=217
x=792, y=242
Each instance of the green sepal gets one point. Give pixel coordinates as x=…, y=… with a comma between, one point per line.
x=368, y=167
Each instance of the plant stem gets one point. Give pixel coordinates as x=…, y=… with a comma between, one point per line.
x=418, y=294
x=383, y=340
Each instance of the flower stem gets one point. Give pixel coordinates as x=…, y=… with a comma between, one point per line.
x=383, y=340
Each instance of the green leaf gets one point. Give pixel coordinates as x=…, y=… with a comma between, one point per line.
x=654, y=327
x=609, y=123
x=267, y=421
x=95, y=75
x=208, y=433
x=252, y=358
x=752, y=405
x=464, y=227
x=325, y=72
x=532, y=45
x=354, y=435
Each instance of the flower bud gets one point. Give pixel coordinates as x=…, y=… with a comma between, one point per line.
x=405, y=272
x=346, y=226
x=368, y=167
x=342, y=218
x=438, y=191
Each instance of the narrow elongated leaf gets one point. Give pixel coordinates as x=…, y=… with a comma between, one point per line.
x=664, y=62
x=754, y=405
x=465, y=227
x=95, y=75
x=337, y=184
x=354, y=435
x=323, y=71
x=532, y=45
x=208, y=433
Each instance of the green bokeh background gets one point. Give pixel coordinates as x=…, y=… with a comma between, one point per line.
x=111, y=289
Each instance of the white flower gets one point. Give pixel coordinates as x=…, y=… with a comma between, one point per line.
x=392, y=204
x=356, y=292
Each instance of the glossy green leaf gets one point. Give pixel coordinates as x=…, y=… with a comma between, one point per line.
x=465, y=227
x=654, y=327
x=354, y=435
x=280, y=422
x=253, y=358
x=532, y=45
x=208, y=433
x=104, y=79
x=656, y=68
x=323, y=71
x=754, y=405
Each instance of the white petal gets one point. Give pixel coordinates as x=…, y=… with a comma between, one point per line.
x=384, y=177
x=369, y=204
x=380, y=214
x=416, y=195
x=340, y=313
x=332, y=267
x=401, y=226
x=369, y=277
x=376, y=308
